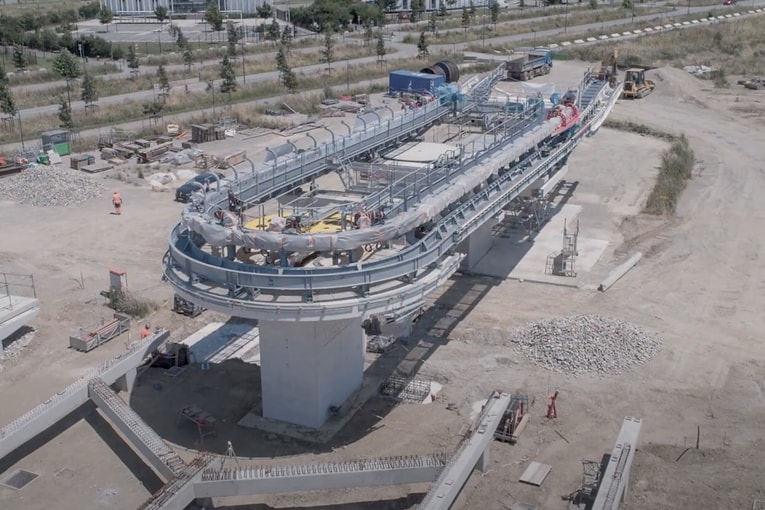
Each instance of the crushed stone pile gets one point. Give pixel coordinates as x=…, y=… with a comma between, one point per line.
x=586, y=343
x=48, y=186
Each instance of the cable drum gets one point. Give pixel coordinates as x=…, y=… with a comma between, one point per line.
x=446, y=68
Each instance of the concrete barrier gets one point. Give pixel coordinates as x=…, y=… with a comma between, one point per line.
x=620, y=271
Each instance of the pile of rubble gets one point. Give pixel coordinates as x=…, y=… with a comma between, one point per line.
x=47, y=186
x=586, y=343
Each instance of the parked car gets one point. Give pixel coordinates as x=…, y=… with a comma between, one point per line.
x=729, y=2
x=184, y=191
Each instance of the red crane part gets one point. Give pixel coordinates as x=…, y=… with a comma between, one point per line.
x=552, y=412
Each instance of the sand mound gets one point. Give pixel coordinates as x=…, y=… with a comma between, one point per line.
x=676, y=83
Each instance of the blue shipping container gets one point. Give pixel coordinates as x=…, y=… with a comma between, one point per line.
x=418, y=83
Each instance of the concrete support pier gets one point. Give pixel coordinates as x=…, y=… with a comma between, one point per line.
x=308, y=367
x=477, y=244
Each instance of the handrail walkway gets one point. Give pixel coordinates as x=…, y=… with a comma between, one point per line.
x=200, y=277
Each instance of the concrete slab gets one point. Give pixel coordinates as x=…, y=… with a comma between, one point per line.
x=535, y=473
x=422, y=152
x=516, y=256
x=217, y=342
x=15, y=313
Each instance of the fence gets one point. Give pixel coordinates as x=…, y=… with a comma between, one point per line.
x=17, y=284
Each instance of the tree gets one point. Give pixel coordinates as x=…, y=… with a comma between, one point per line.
x=495, y=12
x=164, y=83
x=422, y=46
x=65, y=114
x=89, y=90
x=264, y=11
x=105, y=16
x=388, y=5
x=328, y=53
x=627, y=4
x=433, y=23
x=213, y=16
x=153, y=109
x=380, y=47
x=180, y=39
x=442, y=8
x=369, y=33
x=161, y=13
x=66, y=65
x=472, y=9
x=7, y=103
x=132, y=60
x=287, y=37
x=593, y=4
x=232, y=37
x=188, y=58
x=20, y=60
x=286, y=75
x=274, y=31
x=465, y=19
x=418, y=6
x=289, y=80
x=229, y=84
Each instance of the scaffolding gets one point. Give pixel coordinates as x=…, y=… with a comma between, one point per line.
x=563, y=263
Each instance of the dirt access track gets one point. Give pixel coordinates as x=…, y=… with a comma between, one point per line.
x=699, y=286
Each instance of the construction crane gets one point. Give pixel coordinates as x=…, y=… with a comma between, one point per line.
x=607, y=70
x=635, y=84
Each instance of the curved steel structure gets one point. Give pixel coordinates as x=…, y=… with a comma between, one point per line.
x=399, y=282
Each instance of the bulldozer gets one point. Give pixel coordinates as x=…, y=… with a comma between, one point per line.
x=607, y=71
x=635, y=84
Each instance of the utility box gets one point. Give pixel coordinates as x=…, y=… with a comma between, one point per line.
x=57, y=140
x=117, y=280
x=415, y=83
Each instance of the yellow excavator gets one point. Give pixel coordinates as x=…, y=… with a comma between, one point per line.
x=635, y=84
x=607, y=70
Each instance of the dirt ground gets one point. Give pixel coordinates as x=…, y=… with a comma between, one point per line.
x=699, y=286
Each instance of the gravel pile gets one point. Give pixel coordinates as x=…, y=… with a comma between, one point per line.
x=586, y=343
x=47, y=186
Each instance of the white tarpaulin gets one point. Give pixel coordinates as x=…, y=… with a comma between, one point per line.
x=398, y=226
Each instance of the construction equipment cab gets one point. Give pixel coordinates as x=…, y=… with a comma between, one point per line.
x=635, y=84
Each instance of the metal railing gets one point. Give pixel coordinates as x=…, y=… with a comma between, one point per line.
x=13, y=282
x=186, y=258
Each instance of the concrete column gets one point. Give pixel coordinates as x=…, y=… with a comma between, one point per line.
x=306, y=367
x=127, y=381
x=483, y=461
x=477, y=244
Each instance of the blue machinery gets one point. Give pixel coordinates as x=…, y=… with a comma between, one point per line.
x=398, y=282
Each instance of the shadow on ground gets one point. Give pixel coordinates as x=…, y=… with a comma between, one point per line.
x=89, y=413
x=231, y=389
x=402, y=503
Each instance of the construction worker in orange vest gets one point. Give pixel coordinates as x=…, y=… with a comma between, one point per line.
x=117, y=202
x=146, y=331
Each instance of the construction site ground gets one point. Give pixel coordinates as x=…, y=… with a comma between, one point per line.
x=699, y=286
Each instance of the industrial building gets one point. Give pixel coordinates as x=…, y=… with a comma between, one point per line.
x=144, y=7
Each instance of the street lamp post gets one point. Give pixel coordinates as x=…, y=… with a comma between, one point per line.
x=21, y=130
x=565, y=18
